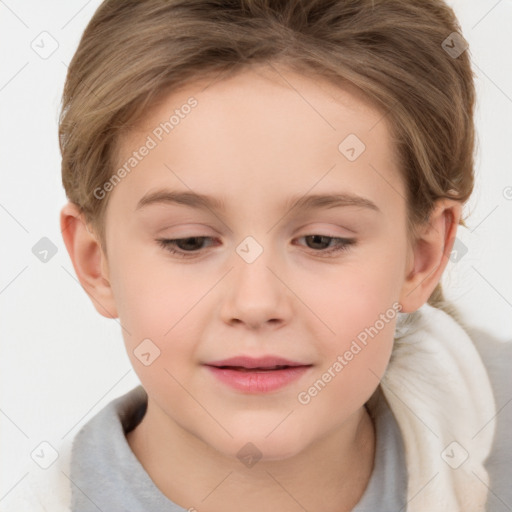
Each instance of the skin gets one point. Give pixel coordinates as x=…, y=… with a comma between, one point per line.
x=254, y=140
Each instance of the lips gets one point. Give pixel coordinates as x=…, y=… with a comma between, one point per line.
x=257, y=375
x=246, y=363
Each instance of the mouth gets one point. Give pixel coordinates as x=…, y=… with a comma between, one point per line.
x=257, y=369
x=257, y=375
x=264, y=363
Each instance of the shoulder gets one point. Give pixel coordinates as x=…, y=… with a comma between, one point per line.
x=47, y=481
x=497, y=358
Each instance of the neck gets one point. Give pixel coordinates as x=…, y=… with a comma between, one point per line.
x=333, y=472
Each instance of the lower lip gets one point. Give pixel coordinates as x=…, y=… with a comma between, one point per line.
x=258, y=381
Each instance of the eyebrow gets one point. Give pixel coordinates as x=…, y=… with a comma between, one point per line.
x=205, y=202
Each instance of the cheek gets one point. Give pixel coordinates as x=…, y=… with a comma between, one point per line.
x=347, y=380
x=158, y=310
x=166, y=304
x=354, y=296
x=354, y=361
x=359, y=303
x=154, y=296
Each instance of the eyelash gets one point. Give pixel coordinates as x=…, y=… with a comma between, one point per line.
x=342, y=246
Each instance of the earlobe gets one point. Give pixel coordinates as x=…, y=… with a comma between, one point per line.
x=431, y=250
x=88, y=259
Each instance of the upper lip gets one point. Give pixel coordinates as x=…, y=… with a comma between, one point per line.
x=255, y=362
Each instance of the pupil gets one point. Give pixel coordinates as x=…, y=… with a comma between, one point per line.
x=316, y=237
x=186, y=242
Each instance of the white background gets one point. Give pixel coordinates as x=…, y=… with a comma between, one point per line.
x=61, y=362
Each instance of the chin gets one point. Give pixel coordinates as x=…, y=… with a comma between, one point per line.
x=250, y=448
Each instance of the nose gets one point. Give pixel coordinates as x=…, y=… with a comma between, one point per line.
x=255, y=294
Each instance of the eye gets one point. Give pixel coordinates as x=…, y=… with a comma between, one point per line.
x=342, y=244
x=191, y=246
x=186, y=247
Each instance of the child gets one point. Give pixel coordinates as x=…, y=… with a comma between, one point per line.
x=278, y=373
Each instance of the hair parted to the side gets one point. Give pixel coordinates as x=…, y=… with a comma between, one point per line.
x=134, y=51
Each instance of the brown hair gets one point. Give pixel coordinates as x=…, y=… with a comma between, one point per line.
x=134, y=51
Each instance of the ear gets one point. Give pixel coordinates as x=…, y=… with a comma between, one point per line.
x=430, y=251
x=89, y=261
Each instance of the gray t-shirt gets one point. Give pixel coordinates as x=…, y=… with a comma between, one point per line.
x=107, y=476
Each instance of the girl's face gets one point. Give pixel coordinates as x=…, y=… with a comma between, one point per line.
x=318, y=284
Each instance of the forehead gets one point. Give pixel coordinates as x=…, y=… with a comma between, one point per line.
x=265, y=131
